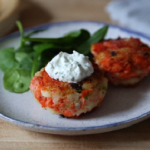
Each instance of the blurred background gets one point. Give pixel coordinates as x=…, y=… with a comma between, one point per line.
x=127, y=13
x=36, y=12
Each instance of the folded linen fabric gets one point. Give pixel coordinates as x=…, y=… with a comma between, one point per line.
x=134, y=14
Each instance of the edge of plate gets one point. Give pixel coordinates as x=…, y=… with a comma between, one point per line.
x=74, y=130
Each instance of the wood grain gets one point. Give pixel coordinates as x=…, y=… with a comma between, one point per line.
x=137, y=137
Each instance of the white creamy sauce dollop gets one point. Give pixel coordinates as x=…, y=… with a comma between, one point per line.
x=70, y=68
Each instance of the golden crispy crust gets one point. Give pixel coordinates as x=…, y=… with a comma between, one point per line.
x=69, y=99
x=125, y=61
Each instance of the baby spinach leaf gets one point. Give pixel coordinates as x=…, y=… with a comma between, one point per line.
x=62, y=40
x=21, y=33
x=70, y=39
x=19, y=56
x=20, y=28
x=7, y=57
x=25, y=48
x=84, y=35
x=47, y=55
x=26, y=63
x=73, y=34
x=39, y=49
x=17, y=80
x=45, y=46
x=76, y=34
x=96, y=37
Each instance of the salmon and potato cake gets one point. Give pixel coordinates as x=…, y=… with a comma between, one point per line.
x=125, y=61
x=68, y=99
x=69, y=85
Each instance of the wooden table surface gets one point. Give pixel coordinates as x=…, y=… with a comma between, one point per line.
x=37, y=12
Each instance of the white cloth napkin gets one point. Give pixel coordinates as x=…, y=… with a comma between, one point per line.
x=134, y=14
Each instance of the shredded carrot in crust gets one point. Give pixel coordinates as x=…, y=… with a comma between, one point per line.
x=83, y=101
x=72, y=106
x=50, y=103
x=43, y=101
x=85, y=92
x=67, y=113
x=66, y=101
x=61, y=100
x=37, y=94
x=36, y=83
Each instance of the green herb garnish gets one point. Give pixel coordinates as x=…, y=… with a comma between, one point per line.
x=86, y=97
x=104, y=88
x=79, y=91
x=19, y=65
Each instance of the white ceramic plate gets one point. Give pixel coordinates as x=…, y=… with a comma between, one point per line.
x=122, y=107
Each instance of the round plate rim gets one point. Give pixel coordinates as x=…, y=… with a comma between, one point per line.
x=43, y=127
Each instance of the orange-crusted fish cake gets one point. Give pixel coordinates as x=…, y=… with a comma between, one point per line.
x=125, y=61
x=68, y=99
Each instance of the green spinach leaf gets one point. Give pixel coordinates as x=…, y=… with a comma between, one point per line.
x=17, y=80
x=96, y=37
x=21, y=33
x=39, y=49
x=19, y=56
x=28, y=48
x=67, y=40
x=26, y=63
x=7, y=57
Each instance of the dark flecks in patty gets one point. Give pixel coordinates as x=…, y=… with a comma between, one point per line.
x=77, y=87
x=143, y=45
x=146, y=54
x=113, y=53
